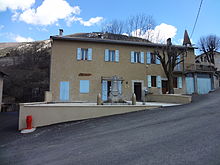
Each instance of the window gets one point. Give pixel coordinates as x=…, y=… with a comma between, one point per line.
x=112, y=55
x=137, y=57
x=84, y=86
x=153, y=58
x=153, y=81
x=84, y=54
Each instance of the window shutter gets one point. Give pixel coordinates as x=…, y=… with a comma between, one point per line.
x=64, y=90
x=142, y=57
x=132, y=56
x=158, y=82
x=148, y=58
x=157, y=60
x=149, y=81
x=89, y=54
x=180, y=83
x=120, y=87
x=79, y=56
x=106, y=55
x=117, y=55
x=84, y=86
x=104, y=90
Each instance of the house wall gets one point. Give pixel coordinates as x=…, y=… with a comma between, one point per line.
x=66, y=67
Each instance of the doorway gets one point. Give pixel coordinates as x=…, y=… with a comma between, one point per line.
x=137, y=90
x=164, y=86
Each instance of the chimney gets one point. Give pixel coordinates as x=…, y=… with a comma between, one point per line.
x=60, y=32
x=169, y=42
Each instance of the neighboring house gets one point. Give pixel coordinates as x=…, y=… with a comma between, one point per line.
x=82, y=66
x=203, y=61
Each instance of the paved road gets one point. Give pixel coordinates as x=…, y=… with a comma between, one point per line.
x=181, y=135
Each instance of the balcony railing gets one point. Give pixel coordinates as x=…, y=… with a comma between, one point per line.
x=199, y=67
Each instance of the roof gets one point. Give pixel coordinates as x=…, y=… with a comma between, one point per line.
x=186, y=39
x=112, y=39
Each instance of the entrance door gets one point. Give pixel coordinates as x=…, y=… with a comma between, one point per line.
x=164, y=86
x=137, y=90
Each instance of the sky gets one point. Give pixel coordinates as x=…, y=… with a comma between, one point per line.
x=33, y=20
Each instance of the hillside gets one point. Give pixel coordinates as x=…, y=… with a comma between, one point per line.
x=27, y=66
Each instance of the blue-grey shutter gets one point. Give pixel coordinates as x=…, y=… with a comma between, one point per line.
x=142, y=57
x=117, y=55
x=79, y=56
x=64, y=91
x=107, y=55
x=84, y=86
x=149, y=81
x=148, y=58
x=132, y=56
x=157, y=60
x=180, y=82
x=119, y=87
x=89, y=54
x=158, y=82
x=104, y=90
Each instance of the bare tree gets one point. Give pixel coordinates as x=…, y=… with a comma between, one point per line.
x=114, y=26
x=140, y=25
x=209, y=45
x=169, y=60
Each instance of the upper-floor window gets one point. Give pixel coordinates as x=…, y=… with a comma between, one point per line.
x=137, y=57
x=152, y=58
x=112, y=55
x=84, y=54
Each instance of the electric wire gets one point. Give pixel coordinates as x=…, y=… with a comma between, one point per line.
x=200, y=6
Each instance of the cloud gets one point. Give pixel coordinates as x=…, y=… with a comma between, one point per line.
x=49, y=12
x=15, y=4
x=90, y=22
x=159, y=34
x=19, y=38
x=1, y=27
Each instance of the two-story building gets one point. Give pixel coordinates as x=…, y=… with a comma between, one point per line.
x=82, y=66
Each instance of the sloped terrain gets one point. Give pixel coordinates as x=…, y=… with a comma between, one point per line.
x=27, y=66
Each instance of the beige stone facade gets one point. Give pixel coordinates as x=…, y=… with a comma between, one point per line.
x=66, y=68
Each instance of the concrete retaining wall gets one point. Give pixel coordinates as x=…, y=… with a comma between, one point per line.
x=47, y=114
x=170, y=98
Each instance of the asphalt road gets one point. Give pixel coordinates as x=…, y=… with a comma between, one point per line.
x=181, y=135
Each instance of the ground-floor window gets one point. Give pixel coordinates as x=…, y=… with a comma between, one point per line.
x=84, y=86
x=153, y=81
